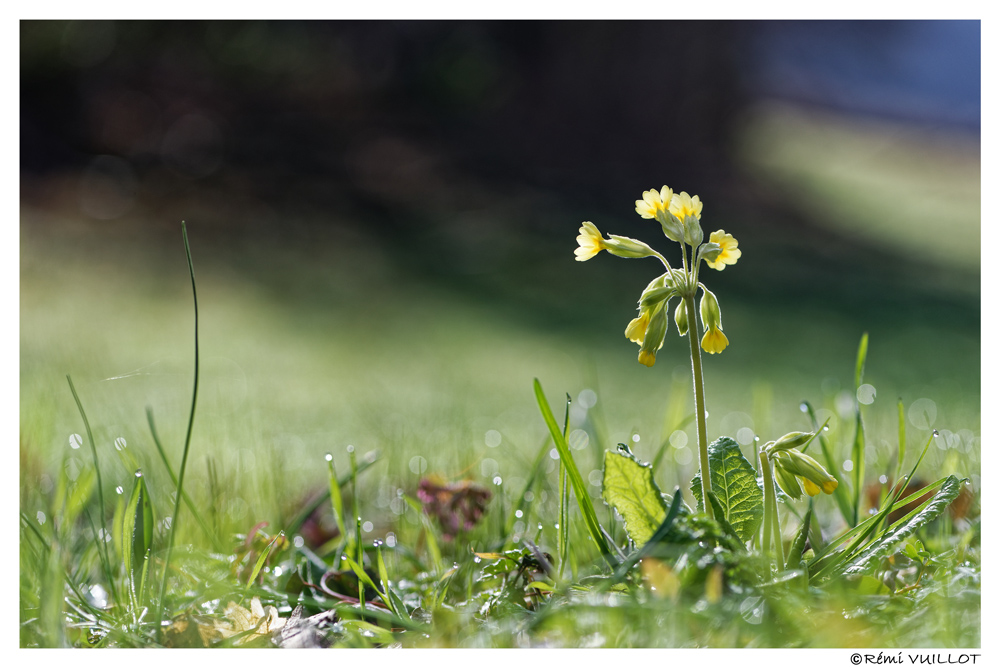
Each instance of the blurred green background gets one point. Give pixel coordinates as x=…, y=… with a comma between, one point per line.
x=382, y=218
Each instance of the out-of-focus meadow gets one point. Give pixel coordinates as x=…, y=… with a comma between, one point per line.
x=382, y=219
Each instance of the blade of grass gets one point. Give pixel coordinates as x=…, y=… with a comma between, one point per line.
x=102, y=545
x=212, y=536
x=187, y=439
x=901, y=451
x=432, y=544
x=799, y=543
x=336, y=497
x=858, y=447
x=262, y=559
x=563, y=542
x=582, y=497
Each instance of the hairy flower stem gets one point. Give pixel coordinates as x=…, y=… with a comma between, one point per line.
x=771, y=512
x=699, y=404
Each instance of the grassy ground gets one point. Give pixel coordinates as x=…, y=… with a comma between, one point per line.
x=307, y=352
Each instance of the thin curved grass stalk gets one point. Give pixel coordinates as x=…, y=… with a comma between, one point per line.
x=187, y=438
x=103, y=549
x=173, y=478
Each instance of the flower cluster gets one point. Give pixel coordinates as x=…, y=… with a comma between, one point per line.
x=679, y=216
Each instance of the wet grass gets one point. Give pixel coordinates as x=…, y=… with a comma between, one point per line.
x=341, y=349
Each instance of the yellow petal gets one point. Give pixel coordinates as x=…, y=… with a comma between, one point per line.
x=810, y=487
x=646, y=357
x=636, y=330
x=714, y=341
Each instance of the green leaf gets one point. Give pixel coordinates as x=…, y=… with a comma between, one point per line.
x=887, y=543
x=727, y=528
x=628, y=487
x=734, y=481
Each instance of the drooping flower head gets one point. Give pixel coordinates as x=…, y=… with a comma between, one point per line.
x=714, y=341
x=729, y=253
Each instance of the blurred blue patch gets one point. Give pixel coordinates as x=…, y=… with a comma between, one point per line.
x=923, y=71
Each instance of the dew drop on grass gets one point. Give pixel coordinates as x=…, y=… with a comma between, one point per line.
x=120, y=489
x=120, y=444
x=138, y=474
x=804, y=407
x=40, y=516
x=350, y=448
x=497, y=480
x=518, y=513
x=635, y=439
x=826, y=427
x=75, y=441
x=477, y=560
x=882, y=479
x=377, y=543
x=298, y=541
x=329, y=457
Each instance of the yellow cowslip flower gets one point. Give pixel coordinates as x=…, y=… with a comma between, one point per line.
x=636, y=330
x=714, y=341
x=683, y=205
x=729, y=254
x=653, y=201
x=590, y=240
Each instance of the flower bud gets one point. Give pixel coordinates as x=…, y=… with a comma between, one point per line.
x=681, y=318
x=786, y=479
x=711, y=314
x=693, y=233
x=814, y=476
x=687, y=209
x=653, y=340
x=656, y=296
x=673, y=228
x=791, y=440
x=626, y=247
